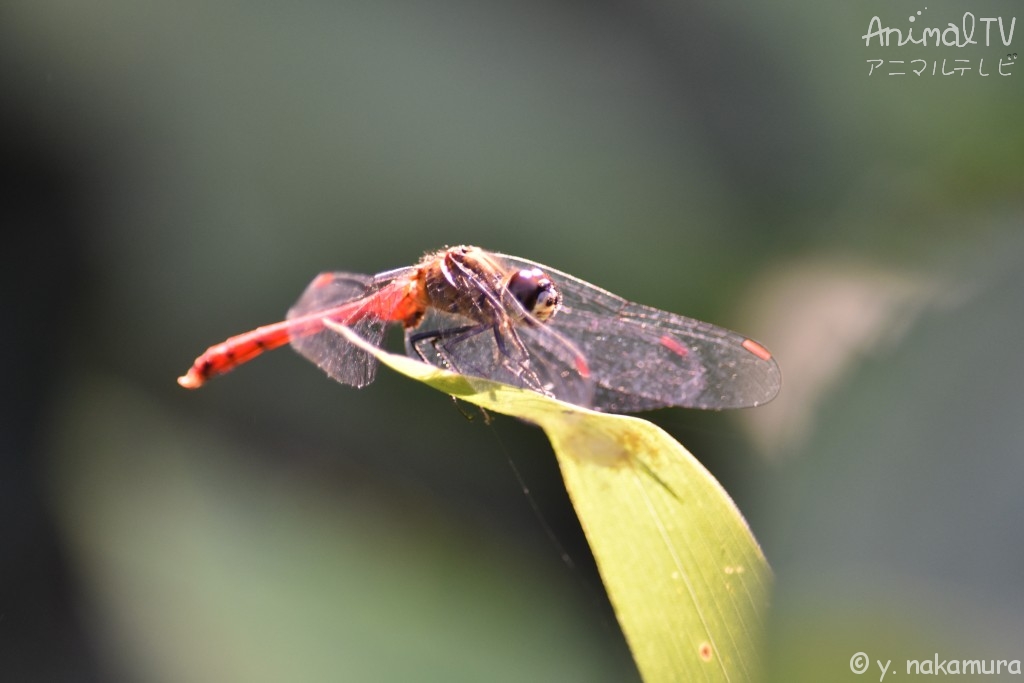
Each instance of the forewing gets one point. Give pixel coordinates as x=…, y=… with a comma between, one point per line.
x=643, y=358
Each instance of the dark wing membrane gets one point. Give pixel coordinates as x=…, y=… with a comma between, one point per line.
x=341, y=360
x=643, y=358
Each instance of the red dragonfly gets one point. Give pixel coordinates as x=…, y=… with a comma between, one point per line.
x=514, y=321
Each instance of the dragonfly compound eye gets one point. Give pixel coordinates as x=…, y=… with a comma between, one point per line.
x=536, y=292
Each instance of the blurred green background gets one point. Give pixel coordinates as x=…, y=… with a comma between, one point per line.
x=175, y=173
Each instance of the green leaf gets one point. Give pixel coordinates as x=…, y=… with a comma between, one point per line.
x=687, y=579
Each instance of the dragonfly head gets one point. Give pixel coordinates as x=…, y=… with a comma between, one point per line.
x=536, y=292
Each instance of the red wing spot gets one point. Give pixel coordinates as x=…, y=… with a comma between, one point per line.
x=323, y=279
x=582, y=367
x=757, y=349
x=705, y=651
x=674, y=346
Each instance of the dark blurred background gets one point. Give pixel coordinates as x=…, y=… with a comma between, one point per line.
x=174, y=174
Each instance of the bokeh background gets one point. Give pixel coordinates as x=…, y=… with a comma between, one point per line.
x=174, y=173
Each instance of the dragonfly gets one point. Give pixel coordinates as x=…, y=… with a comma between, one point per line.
x=507, y=319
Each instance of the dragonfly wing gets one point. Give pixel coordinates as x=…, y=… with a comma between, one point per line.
x=327, y=349
x=642, y=364
x=644, y=358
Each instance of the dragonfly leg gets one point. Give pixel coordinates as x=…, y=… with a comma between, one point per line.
x=519, y=365
x=438, y=340
x=514, y=360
